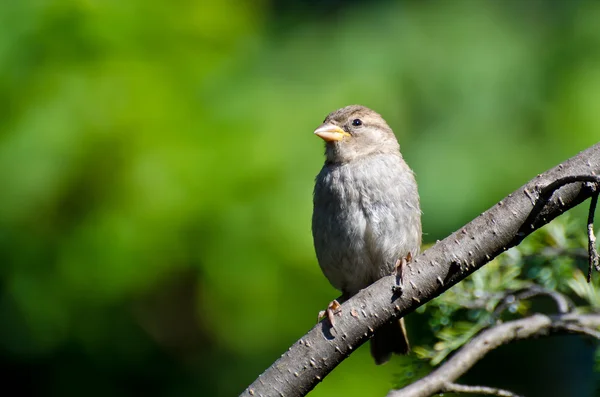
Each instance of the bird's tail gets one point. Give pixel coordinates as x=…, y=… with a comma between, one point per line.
x=390, y=338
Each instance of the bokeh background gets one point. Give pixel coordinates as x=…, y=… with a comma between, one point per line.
x=157, y=164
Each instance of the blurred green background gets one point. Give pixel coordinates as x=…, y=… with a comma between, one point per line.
x=157, y=164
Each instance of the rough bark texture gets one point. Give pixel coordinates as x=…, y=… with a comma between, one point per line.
x=437, y=269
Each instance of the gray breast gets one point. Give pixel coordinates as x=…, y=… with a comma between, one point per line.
x=366, y=216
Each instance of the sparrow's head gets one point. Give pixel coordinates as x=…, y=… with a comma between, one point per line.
x=354, y=132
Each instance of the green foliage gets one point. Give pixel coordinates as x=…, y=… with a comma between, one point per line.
x=464, y=310
x=157, y=163
x=551, y=258
x=413, y=368
x=586, y=291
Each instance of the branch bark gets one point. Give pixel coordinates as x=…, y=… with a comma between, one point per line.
x=483, y=390
x=437, y=269
x=530, y=327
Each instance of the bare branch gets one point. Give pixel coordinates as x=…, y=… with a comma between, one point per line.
x=490, y=391
x=546, y=194
x=563, y=303
x=437, y=269
x=578, y=329
x=530, y=327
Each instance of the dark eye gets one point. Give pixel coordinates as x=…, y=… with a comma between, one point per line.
x=356, y=122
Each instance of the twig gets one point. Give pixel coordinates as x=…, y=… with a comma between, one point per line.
x=530, y=327
x=544, y=198
x=490, y=391
x=578, y=329
x=563, y=303
x=593, y=253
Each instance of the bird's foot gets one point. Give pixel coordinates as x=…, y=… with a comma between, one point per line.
x=399, y=268
x=333, y=308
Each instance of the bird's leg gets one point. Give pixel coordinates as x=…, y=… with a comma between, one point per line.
x=399, y=268
x=333, y=308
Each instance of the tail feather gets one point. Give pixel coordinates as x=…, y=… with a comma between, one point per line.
x=390, y=338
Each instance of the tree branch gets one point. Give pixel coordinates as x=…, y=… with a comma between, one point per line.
x=530, y=327
x=488, y=391
x=437, y=269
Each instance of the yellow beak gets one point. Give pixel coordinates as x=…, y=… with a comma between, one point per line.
x=330, y=133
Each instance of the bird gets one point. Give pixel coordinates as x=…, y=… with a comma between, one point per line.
x=366, y=211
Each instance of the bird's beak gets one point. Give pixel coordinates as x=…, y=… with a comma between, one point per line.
x=330, y=133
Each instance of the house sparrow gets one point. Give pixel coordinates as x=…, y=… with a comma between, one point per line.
x=366, y=214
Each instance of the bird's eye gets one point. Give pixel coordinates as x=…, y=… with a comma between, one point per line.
x=356, y=122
